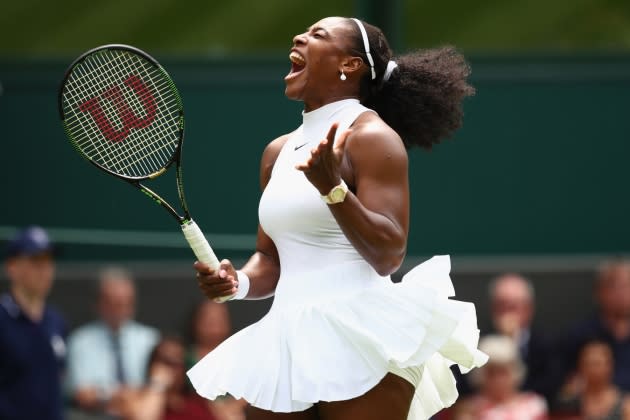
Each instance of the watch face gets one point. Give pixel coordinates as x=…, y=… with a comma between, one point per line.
x=338, y=194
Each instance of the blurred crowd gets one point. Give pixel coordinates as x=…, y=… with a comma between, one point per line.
x=112, y=368
x=581, y=374
x=117, y=368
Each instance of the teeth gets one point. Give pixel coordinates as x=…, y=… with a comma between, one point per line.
x=297, y=58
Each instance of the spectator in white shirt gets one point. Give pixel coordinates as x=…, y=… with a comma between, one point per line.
x=109, y=356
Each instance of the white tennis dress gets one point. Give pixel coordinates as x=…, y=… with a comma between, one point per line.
x=336, y=327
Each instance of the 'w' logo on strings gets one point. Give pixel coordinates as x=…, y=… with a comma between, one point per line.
x=126, y=115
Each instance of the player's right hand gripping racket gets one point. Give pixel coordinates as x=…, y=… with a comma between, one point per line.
x=122, y=112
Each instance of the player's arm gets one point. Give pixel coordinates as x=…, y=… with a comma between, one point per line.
x=375, y=217
x=263, y=267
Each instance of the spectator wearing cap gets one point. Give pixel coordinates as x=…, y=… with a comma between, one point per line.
x=32, y=334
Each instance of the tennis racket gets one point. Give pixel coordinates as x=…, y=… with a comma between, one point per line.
x=123, y=113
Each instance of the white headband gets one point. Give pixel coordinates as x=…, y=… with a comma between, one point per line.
x=366, y=43
x=391, y=65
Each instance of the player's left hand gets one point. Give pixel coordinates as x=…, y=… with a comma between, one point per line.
x=322, y=169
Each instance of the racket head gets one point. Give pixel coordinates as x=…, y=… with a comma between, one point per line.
x=122, y=111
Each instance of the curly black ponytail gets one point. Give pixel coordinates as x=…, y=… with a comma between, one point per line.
x=422, y=99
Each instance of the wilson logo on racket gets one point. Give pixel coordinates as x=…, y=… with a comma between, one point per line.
x=126, y=115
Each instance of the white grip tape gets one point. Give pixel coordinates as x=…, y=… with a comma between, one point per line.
x=202, y=250
x=199, y=245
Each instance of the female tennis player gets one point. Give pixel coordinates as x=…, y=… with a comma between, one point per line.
x=341, y=341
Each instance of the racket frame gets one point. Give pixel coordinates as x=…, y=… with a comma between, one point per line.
x=176, y=156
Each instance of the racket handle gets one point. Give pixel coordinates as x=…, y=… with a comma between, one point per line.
x=199, y=244
x=202, y=249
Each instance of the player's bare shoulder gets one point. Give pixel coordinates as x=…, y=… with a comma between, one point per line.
x=372, y=138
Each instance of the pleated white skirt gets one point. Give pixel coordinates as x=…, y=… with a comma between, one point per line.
x=334, y=334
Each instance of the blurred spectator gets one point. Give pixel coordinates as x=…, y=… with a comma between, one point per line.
x=32, y=347
x=512, y=302
x=611, y=324
x=512, y=308
x=591, y=394
x=210, y=325
x=109, y=356
x=166, y=395
x=498, y=382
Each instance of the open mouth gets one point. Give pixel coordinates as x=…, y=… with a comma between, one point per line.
x=298, y=63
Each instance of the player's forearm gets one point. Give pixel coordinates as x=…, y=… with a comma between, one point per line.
x=263, y=271
x=377, y=238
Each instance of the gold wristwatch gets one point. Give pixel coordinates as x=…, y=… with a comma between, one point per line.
x=337, y=194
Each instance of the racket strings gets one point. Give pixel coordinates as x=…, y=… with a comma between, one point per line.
x=136, y=148
x=140, y=149
x=160, y=121
x=90, y=86
x=122, y=131
x=159, y=156
x=87, y=84
x=111, y=162
x=134, y=103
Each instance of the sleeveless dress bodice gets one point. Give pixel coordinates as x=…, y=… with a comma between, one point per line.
x=292, y=213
